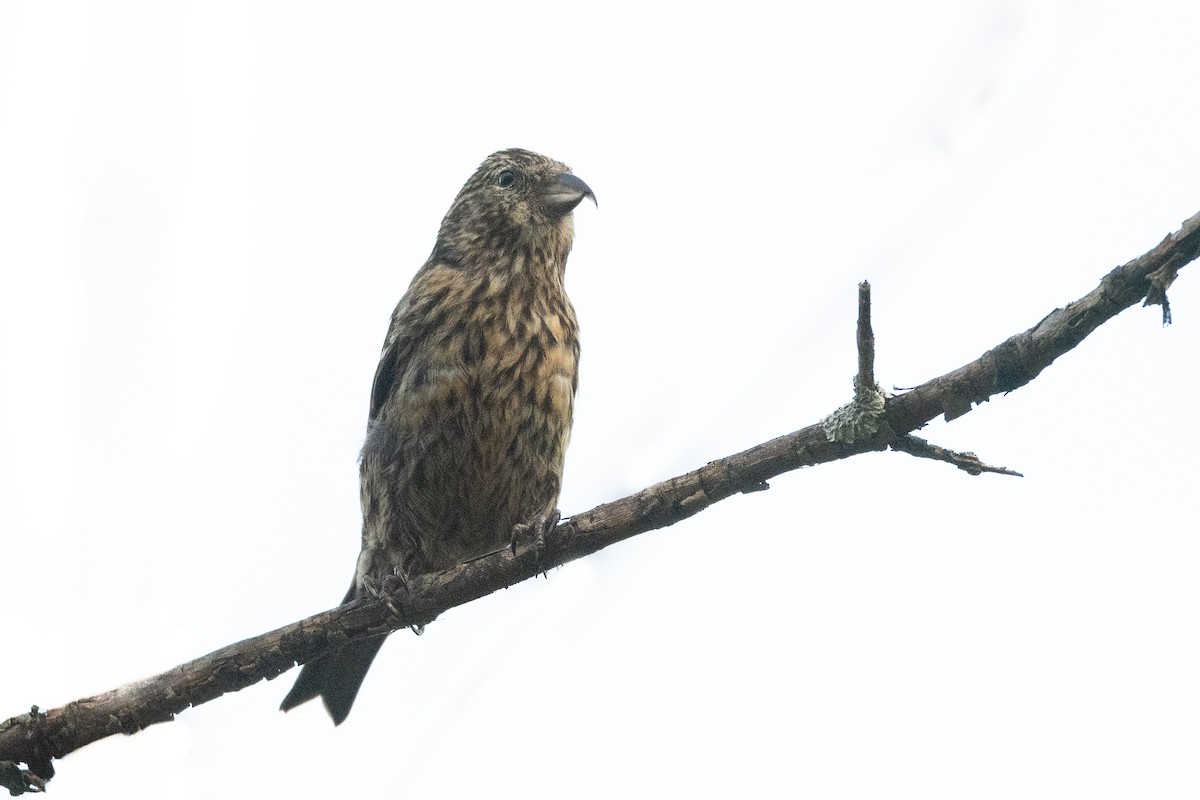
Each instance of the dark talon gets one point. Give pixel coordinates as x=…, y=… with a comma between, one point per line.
x=387, y=590
x=540, y=528
x=545, y=525
x=372, y=586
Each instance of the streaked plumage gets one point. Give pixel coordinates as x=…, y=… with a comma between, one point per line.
x=472, y=401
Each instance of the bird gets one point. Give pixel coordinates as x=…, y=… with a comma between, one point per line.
x=472, y=402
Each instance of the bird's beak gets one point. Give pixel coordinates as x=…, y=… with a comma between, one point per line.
x=564, y=193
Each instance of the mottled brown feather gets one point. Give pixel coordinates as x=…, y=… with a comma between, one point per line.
x=472, y=401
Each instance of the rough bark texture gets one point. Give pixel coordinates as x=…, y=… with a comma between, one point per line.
x=38, y=737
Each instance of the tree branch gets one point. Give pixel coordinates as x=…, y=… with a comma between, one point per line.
x=865, y=339
x=1021, y=358
x=38, y=737
x=862, y=416
x=967, y=462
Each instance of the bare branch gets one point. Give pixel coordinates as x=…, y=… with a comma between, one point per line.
x=967, y=462
x=861, y=417
x=866, y=342
x=36, y=738
x=1021, y=358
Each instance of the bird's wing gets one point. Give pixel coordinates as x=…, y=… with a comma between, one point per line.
x=391, y=365
x=410, y=323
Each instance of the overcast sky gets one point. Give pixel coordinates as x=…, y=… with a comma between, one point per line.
x=208, y=211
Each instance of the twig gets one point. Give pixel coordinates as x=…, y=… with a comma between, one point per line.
x=967, y=462
x=865, y=382
x=861, y=417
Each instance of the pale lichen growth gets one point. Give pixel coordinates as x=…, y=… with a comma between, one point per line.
x=858, y=419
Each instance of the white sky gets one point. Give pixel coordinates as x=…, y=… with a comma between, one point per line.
x=208, y=210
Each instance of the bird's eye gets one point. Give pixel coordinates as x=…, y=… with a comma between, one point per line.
x=506, y=179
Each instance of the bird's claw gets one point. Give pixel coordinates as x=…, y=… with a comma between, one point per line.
x=538, y=528
x=389, y=589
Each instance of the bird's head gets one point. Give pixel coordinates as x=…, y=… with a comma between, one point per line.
x=516, y=199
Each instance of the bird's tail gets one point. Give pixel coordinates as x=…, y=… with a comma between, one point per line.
x=335, y=678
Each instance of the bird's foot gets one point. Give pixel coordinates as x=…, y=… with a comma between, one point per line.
x=390, y=589
x=536, y=529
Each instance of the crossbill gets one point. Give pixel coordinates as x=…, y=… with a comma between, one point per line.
x=472, y=400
